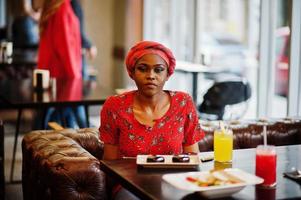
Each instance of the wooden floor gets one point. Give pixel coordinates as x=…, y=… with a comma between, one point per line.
x=12, y=191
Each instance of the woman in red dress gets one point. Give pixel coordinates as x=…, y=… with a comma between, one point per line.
x=60, y=53
x=60, y=43
x=149, y=120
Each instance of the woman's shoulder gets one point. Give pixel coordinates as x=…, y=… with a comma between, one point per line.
x=179, y=95
x=119, y=100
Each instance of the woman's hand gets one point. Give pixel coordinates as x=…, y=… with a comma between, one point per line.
x=92, y=52
x=111, y=152
x=191, y=148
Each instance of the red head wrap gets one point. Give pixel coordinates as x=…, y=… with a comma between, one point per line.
x=150, y=47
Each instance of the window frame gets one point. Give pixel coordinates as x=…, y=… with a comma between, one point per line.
x=266, y=71
x=294, y=98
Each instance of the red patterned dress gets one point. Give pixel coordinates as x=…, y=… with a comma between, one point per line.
x=179, y=126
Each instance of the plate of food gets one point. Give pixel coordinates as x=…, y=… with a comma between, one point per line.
x=213, y=184
x=182, y=161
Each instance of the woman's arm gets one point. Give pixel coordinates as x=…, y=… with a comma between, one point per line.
x=192, y=129
x=108, y=130
x=192, y=148
x=111, y=152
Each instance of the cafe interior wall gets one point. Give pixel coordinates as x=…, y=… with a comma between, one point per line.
x=99, y=26
x=114, y=26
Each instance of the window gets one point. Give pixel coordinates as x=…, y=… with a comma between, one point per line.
x=206, y=32
x=171, y=23
x=211, y=33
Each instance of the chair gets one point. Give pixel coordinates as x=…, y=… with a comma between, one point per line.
x=2, y=179
x=223, y=98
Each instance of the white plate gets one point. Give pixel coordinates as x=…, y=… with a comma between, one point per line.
x=194, y=162
x=179, y=181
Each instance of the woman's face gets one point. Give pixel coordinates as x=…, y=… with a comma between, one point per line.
x=150, y=74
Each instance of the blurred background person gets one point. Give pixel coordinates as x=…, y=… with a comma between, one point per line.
x=88, y=49
x=60, y=44
x=25, y=32
x=60, y=50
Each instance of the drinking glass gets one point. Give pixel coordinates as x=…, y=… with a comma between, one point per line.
x=266, y=161
x=265, y=193
x=222, y=165
x=223, y=145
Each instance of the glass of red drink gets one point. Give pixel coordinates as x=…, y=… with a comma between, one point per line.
x=266, y=160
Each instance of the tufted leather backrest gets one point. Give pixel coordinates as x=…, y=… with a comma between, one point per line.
x=248, y=134
x=62, y=165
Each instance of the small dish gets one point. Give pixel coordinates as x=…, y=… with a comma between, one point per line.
x=240, y=178
x=169, y=161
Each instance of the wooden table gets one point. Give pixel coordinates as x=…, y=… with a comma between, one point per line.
x=148, y=184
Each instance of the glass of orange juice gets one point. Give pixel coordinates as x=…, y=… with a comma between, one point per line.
x=223, y=145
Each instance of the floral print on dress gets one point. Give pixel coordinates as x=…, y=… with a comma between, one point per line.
x=179, y=126
x=131, y=136
x=141, y=138
x=183, y=103
x=181, y=129
x=161, y=124
x=154, y=142
x=107, y=127
x=128, y=125
x=129, y=110
x=148, y=128
x=190, y=116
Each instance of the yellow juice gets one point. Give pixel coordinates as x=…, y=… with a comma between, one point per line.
x=223, y=145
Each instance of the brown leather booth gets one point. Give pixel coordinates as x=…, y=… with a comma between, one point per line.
x=63, y=165
x=248, y=133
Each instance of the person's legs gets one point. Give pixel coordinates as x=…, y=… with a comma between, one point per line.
x=80, y=115
x=69, y=117
x=39, y=116
x=51, y=115
x=59, y=116
x=84, y=68
x=72, y=118
x=43, y=117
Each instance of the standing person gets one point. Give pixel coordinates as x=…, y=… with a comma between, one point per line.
x=60, y=46
x=87, y=48
x=25, y=32
x=149, y=120
x=60, y=49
